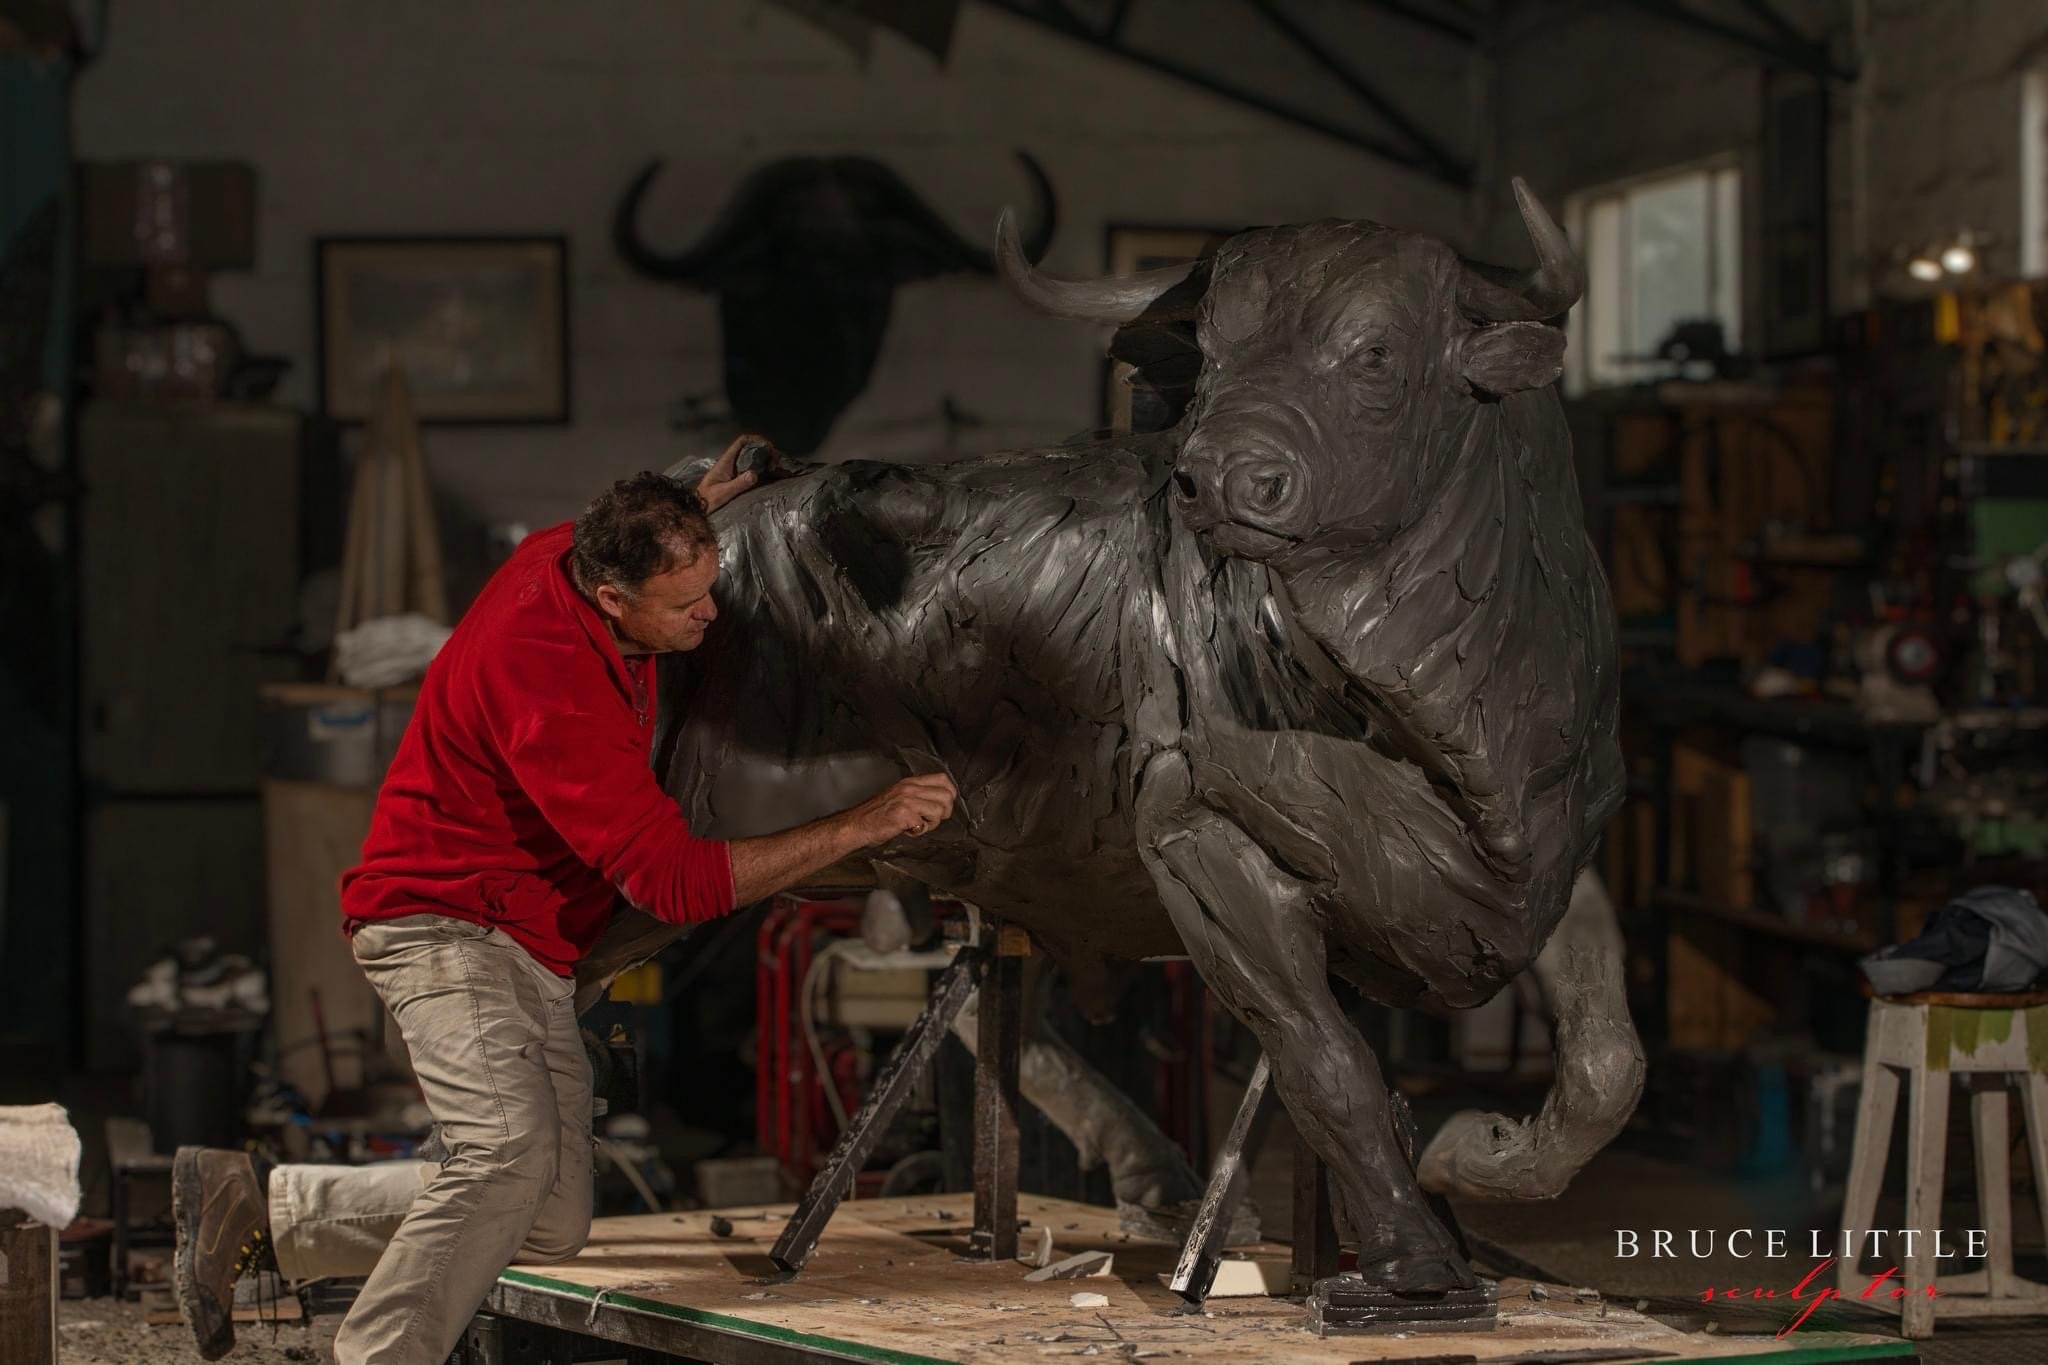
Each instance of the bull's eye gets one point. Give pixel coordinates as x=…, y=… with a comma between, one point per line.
x=1375, y=377
x=1268, y=491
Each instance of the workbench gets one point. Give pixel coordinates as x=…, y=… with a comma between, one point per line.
x=889, y=1283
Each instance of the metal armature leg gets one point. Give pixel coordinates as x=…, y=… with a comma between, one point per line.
x=1199, y=1258
x=996, y=1098
x=898, y=1078
x=1315, y=1225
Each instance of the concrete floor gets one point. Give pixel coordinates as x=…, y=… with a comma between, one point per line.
x=103, y=1332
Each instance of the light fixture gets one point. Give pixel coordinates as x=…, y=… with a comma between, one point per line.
x=1924, y=268
x=1958, y=259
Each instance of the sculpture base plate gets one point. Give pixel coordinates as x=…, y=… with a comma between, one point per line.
x=1350, y=1304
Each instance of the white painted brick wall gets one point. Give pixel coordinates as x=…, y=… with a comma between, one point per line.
x=517, y=115
x=509, y=115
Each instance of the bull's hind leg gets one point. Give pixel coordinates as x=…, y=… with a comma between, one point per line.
x=1105, y=1125
x=1258, y=943
x=1599, y=1072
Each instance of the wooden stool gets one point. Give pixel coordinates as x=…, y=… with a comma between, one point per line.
x=1994, y=1041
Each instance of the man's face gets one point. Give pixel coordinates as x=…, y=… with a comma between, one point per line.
x=669, y=612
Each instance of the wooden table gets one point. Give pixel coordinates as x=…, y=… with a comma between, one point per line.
x=888, y=1284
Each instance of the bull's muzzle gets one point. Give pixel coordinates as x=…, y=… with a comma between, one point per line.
x=1247, y=503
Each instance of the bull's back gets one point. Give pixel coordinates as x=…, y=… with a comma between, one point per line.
x=879, y=620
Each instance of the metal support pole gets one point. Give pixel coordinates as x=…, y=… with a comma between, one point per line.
x=1000, y=1019
x=898, y=1078
x=1203, y=1251
x=1315, y=1225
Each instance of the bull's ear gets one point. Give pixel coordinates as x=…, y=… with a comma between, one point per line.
x=1508, y=357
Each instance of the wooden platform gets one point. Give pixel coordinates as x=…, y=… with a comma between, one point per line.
x=888, y=1284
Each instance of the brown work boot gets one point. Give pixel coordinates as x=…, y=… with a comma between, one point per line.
x=223, y=1224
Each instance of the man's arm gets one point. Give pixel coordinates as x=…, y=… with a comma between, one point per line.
x=773, y=862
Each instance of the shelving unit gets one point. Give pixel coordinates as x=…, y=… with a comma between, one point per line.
x=1714, y=507
x=1702, y=945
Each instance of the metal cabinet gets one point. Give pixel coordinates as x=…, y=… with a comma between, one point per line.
x=190, y=562
x=190, y=571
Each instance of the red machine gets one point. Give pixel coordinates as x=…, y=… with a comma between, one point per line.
x=790, y=1111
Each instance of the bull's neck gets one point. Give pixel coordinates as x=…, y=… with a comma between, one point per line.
x=1346, y=586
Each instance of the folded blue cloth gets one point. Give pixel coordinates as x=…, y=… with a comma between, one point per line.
x=1993, y=939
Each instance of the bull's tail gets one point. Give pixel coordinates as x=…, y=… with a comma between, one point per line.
x=1599, y=1072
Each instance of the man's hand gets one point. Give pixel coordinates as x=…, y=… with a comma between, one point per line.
x=771, y=862
x=913, y=806
x=723, y=482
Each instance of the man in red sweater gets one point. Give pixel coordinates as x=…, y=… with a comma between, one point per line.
x=520, y=803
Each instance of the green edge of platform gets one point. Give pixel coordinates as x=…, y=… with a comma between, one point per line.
x=738, y=1326
x=1817, y=1354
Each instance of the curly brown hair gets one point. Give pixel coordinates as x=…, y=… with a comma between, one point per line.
x=637, y=528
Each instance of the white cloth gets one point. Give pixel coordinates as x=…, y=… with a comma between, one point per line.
x=389, y=650
x=39, y=1163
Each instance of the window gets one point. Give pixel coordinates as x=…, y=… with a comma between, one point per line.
x=1659, y=251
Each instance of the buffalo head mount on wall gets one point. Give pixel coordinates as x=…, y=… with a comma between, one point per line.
x=805, y=260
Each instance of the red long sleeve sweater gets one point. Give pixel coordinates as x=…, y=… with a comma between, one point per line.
x=522, y=794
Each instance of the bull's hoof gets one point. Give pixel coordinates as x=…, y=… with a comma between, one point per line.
x=1429, y=1272
x=1357, y=1303
x=1171, y=1224
x=1481, y=1156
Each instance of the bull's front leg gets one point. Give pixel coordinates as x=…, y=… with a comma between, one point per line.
x=1599, y=1077
x=1257, y=939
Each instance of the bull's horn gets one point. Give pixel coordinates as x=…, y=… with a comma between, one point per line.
x=644, y=259
x=1520, y=295
x=1113, y=298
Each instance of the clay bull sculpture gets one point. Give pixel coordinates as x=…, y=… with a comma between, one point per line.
x=1320, y=682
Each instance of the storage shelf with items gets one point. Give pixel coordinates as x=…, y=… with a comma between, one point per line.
x=1776, y=848
x=1729, y=554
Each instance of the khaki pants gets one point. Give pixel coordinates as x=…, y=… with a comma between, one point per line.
x=493, y=1040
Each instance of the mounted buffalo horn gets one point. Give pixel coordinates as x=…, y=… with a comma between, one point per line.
x=848, y=188
x=1110, y=298
x=1498, y=294
x=805, y=259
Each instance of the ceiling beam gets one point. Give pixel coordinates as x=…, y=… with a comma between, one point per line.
x=1419, y=13
x=1318, y=51
x=1805, y=55
x=1053, y=15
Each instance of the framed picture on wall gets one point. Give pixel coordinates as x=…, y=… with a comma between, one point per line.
x=1133, y=247
x=479, y=325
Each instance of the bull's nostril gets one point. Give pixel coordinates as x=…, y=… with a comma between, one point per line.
x=1184, y=483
